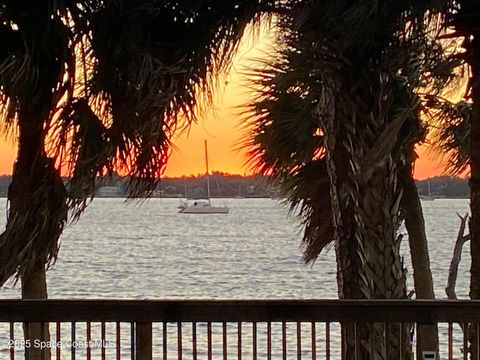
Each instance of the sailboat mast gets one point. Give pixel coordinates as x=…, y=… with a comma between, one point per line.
x=208, y=175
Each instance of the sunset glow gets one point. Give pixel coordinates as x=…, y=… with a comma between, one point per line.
x=222, y=126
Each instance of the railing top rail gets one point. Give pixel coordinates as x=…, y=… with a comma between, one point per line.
x=420, y=311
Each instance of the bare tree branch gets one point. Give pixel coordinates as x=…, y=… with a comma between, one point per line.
x=457, y=256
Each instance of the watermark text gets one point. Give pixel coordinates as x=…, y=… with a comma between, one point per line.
x=6, y=343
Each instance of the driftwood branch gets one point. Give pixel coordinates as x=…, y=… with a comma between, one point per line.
x=457, y=256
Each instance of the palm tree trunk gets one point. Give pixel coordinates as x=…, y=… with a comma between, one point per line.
x=382, y=273
x=348, y=261
x=34, y=286
x=34, y=283
x=365, y=203
x=427, y=335
x=37, y=213
x=474, y=60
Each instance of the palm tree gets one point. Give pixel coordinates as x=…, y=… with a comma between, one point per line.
x=93, y=88
x=287, y=140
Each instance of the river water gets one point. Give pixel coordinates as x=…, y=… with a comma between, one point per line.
x=126, y=249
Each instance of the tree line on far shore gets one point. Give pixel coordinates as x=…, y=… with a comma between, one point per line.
x=252, y=186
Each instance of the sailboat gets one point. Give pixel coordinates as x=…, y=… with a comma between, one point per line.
x=203, y=206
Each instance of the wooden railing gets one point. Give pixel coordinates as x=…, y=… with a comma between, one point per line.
x=291, y=329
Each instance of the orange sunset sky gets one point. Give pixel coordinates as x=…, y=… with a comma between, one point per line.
x=222, y=126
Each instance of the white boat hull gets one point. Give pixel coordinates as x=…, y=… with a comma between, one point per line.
x=204, y=210
x=202, y=207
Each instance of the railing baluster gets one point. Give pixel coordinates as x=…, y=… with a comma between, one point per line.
x=132, y=341
x=73, y=335
x=143, y=341
x=254, y=340
x=209, y=340
x=465, y=341
x=118, y=340
x=89, y=339
x=284, y=340
x=165, y=340
x=224, y=339
x=194, y=340
x=26, y=326
x=401, y=342
x=269, y=341
x=299, y=340
x=386, y=339
x=58, y=345
x=314, y=341
x=42, y=338
x=370, y=338
x=179, y=340
x=477, y=332
x=355, y=340
x=239, y=340
x=12, y=340
x=450, y=341
x=103, y=337
x=327, y=340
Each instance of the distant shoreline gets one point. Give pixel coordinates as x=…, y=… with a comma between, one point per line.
x=237, y=186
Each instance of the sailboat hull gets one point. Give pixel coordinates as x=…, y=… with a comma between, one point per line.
x=204, y=210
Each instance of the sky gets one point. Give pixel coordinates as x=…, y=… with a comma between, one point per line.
x=221, y=125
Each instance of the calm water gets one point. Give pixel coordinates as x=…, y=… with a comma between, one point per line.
x=123, y=249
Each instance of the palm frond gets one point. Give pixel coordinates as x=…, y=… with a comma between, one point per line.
x=101, y=87
x=147, y=65
x=318, y=50
x=284, y=141
x=307, y=192
x=451, y=135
